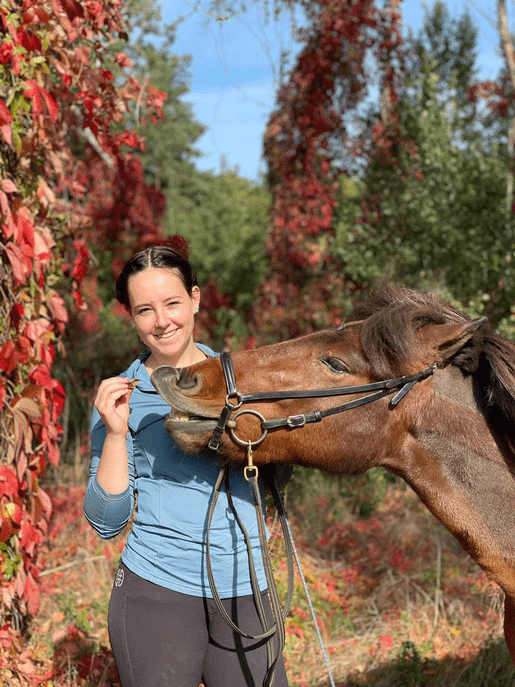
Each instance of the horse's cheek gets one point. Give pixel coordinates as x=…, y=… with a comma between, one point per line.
x=351, y=446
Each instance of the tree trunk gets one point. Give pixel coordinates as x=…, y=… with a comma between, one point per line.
x=391, y=6
x=509, y=56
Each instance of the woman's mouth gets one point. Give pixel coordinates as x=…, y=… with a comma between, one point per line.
x=167, y=335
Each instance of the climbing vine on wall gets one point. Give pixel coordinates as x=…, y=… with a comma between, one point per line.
x=67, y=178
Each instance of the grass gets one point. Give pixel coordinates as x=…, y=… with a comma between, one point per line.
x=399, y=604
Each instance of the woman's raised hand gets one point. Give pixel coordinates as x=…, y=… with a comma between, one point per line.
x=112, y=402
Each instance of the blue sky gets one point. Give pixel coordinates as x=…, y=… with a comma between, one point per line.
x=234, y=73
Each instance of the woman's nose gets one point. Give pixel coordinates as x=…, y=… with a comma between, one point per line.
x=162, y=317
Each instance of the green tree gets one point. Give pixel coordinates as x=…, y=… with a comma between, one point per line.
x=225, y=225
x=437, y=217
x=448, y=47
x=170, y=154
x=226, y=229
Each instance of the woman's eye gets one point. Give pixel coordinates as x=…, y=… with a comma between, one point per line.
x=335, y=364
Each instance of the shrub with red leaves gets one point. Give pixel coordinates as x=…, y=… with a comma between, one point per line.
x=67, y=180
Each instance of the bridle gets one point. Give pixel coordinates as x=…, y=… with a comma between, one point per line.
x=373, y=392
x=233, y=402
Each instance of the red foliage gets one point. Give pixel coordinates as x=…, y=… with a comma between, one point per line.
x=498, y=95
x=302, y=141
x=67, y=183
x=212, y=300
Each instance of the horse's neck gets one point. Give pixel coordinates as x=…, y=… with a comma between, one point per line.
x=454, y=421
x=454, y=385
x=460, y=471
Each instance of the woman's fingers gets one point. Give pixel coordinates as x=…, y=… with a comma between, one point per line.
x=112, y=402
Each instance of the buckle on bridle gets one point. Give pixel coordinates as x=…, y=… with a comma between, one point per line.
x=296, y=421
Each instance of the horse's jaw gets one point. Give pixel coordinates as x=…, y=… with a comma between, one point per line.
x=190, y=434
x=191, y=422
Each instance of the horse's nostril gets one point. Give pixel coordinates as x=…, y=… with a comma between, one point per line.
x=185, y=379
x=176, y=372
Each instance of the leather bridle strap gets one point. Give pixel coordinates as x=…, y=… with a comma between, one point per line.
x=318, y=415
x=374, y=391
x=230, y=384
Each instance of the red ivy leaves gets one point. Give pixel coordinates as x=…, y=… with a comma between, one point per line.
x=8, y=481
x=497, y=95
x=5, y=122
x=305, y=133
x=14, y=353
x=18, y=226
x=72, y=8
x=54, y=73
x=21, y=265
x=37, y=95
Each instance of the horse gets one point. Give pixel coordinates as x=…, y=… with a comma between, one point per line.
x=431, y=399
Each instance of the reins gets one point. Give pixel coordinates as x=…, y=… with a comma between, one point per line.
x=373, y=392
x=274, y=652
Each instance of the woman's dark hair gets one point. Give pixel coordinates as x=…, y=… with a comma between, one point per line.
x=154, y=256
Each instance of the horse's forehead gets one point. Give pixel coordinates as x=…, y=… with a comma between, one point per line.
x=340, y=343
x=330, y=339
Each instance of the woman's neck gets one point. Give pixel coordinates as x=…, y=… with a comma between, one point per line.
x=190, y=356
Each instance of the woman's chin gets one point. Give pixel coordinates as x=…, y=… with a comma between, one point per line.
x=175, y=353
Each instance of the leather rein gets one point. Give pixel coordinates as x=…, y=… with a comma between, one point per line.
x=234, y=400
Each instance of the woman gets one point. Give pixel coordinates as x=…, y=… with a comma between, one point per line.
x=164, y=626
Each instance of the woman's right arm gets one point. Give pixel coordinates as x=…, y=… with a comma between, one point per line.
x=109, y=496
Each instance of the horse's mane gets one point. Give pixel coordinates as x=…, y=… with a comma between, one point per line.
x=392, y=315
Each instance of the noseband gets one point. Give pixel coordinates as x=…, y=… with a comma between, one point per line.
x=373, y=391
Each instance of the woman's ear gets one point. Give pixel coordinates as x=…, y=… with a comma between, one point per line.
x=195, y=297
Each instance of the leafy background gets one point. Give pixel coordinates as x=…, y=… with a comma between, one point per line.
x=386, y=158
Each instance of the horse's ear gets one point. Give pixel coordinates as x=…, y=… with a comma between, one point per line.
x=459, y=344
x=161, y=378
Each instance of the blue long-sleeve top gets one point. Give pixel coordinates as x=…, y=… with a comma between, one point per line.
x=172, y=492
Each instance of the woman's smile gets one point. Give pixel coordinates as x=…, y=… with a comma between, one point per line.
x=166, y=335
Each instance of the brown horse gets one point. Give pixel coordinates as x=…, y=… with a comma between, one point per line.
x=450, y=437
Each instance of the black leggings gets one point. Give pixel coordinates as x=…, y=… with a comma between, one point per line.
x=161, y=638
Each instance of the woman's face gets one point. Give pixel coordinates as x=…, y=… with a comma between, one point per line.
x=163, y=314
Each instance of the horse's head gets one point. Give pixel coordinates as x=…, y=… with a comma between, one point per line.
x=197, y=394
x=348, y=441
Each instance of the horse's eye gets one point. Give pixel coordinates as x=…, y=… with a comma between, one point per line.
x=335, y=365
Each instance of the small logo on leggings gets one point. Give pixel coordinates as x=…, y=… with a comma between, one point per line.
x=119, y=578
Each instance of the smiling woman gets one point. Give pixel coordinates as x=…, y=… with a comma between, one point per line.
x=163, y=624
x=162, y=311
